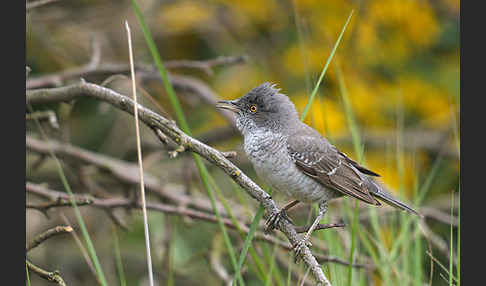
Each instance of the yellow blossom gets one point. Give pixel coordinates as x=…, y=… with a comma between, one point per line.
x=184, y=16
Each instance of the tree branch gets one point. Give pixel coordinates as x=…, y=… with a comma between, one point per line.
x=49, y=276
x=170, y=129
x=48, y=234
x=124, y=171
x=32, y=5
x=89, y=70
x=111, y=203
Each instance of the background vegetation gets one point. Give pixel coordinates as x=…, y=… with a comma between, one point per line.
x=390, y=98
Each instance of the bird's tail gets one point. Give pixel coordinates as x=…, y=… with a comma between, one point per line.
x=379, y=192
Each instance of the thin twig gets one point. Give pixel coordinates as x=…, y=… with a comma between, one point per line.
x=31, y=5
x=59, y=202
x=207, y=66
x=435, y=239
x=49, y=276
x=106, y=69
x=437, y=214
x=48, y=234
x=48, y=114
x=83, y=250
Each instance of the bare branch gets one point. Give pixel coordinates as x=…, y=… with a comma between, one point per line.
x=146, y=72
x=207, y=66
x=86, y=71
x=31, y=5
x=49, y=276
x=59, y=202
x=48, y=234
x=111, y=203
x=124, y=171
x=170, y=129
x=48, y=114
x=439, y=215
x=202, y=90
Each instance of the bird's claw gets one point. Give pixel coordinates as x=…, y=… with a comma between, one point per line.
x=274, y=219
x=299, y=247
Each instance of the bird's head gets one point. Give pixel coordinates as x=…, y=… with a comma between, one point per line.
x=262, y=108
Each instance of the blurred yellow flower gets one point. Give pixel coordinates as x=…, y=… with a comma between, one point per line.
x=390, y=30
x=309, y=58
x=368, y=102
x=386, y=237
x=385, y=164
x=366, y=37
x=254, y=10
x=431, y=103
x=325, y=115
x=414, y=18
x=182, y=16
x=232, y=83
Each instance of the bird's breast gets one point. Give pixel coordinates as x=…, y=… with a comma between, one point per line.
x=268, y=153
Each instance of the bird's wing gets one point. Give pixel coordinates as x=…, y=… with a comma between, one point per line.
x=355, y=164
x=321, y=161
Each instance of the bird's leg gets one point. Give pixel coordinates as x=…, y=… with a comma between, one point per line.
x=273, y=220
x=304, y=241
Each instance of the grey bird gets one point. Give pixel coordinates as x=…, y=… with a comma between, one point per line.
x=293, y=158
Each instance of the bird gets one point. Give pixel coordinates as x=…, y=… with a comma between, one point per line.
x=296, y=160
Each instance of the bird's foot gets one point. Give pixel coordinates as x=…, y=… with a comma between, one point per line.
x=299, y=247
x=274, y=219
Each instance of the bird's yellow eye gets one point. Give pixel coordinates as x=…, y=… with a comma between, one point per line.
x=253, y=108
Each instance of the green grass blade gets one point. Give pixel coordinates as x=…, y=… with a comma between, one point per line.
x=425, y=187
x=289, y=270
x=185, y=127
x=84, y=230
x=248, y=240
x=91, y=250
x=418, y=263
x=353, y=243
x=173, y=239
x=358, y=149
x=314, y=92
x=451, y=249
x=259, y=264
x=27, y=274
x=205, y=178
x=118, y=258
x=163, y=72
x=442, y=266
x=300, y=39
x=261, y=272
x=272, y=266
x=458, y=248
x=350, y=118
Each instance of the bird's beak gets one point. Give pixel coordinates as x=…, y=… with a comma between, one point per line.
x=228, y=104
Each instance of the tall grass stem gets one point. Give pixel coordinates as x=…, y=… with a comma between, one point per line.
x=139, y=155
